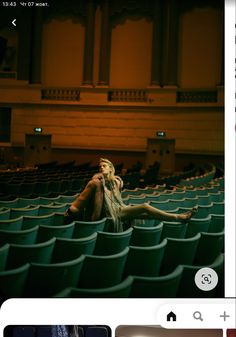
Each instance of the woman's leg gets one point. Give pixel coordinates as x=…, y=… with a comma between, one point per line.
x=86, y=195
x=146, y=210
x=90, y=201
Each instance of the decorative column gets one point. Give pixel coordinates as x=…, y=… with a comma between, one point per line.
x=23, y=49
x=157, y=35
x=36, y=46
x=105, y=46
x=170, y=43
x=89, y=43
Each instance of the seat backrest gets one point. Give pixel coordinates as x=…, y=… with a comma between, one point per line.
x=12, y=224
x=102, y=271
x=47, y=200
x=158, y=286
x=5, y=214
x=202, y=211
x=21, y=254
x=172, y=229
x=179, y=251
x=190, y=202
x=135, y=200
x=67, y=198
x=58, y=219
x=204, y=200
x=112, y=243
x=177, y=195
x=45, y=280
x=190, y=193
x=196, y=225
x=13, y=188
x=210, y=246
x=146, y=236
x=217, y=223
x=218, y=207
x=54, y=185
x=47, y=232
x=26, y=188
x=37, y=220
x=22, y=237
x=145, y=261
x=41, y=187
x=188, y=288
x=68, y=249
x=13, y=282
x=86, y=228
x=49, y=209
x=3, y=256
x=16, y=212
x=217, y=196
x=9, y=203
x=163, y=205
x=175, y=203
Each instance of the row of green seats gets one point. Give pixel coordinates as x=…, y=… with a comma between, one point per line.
x=28, y=230
x=32, y=210
x=178, y=284
x=57, y=250
x=177, y=193
x=96, y=273
x=23, y=202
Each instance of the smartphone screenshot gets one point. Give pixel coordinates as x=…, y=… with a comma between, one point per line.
x=117, y=155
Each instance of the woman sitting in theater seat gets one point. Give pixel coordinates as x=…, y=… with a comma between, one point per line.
x=102, y=198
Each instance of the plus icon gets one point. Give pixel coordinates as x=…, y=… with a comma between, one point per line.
x=224, y=316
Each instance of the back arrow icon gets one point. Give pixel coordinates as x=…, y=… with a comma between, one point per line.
x=14, y=22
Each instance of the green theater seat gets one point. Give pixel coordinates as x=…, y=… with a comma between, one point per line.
x=146, y=236
x=22, y=237
x=158, y=286
x=102, y=271
x=145, y=261
x=210, y=246
x=47, y=232
x=179, y=251
x=12, y=224
x=21, y=254
x=112, y=243
x=188, y=288
x=45, y=280
x=86, y=228
x=12, y=282
x=69, y=249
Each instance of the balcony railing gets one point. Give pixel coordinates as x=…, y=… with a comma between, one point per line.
x=61, y=94
x=130, y=95
x=127, y=95
x=196, y=96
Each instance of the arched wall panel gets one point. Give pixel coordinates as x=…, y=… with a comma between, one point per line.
x=200, y=48
x=131, y=47
x=62, y=53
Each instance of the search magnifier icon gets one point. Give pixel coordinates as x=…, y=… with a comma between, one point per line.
x=197, y=315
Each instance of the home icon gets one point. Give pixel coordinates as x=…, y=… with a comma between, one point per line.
x=171, y=317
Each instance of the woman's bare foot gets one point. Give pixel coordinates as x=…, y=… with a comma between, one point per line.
x=187, y=215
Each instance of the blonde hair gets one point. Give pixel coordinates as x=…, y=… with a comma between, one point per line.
x=107, y=161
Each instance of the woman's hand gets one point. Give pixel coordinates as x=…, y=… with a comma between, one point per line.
x=100, y=177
